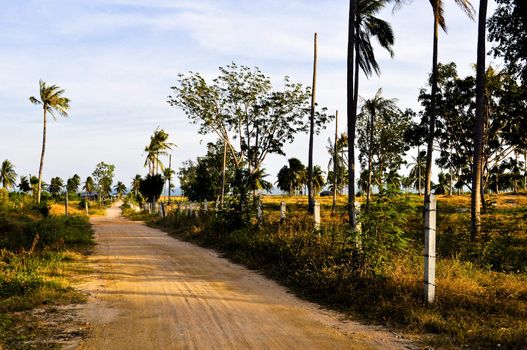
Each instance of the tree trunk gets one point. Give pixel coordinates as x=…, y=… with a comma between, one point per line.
x=169, y=176
x=335, y=156
x=66, y=204
x=430, y=145
x=222, y=197
x=370, y=159
x=478, y=127
x=310, y=190
x=41, y=167
x=525, y=170
x=418, y=170
x=351, y=110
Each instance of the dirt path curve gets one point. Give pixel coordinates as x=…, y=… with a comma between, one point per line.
x=152, y=291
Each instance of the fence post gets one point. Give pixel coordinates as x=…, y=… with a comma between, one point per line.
x=357, y=228
x=162, y=211
x=316, y=214
x=205, y=206
x=430, y=249
x=282, y=211
x=259, y=213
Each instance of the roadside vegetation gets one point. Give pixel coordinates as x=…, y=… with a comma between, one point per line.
x=40, y=256
x=378, y=277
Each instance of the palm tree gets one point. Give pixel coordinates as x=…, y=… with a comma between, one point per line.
x=52, y=101
x=120, y=188
x=24, y=184
x=168, y=173
x=56, y=185
x=257, y=181
x=475, y=218
x=338, y=160
x=89, y=185
x=371, y=109
x=73, y=183
x=439, y=21
x=318, y=179
x=157, y=147
x=7, y=175
x=415, y=177
x=136, y=184
x=362, y=26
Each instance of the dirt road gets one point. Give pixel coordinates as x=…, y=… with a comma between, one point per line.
x=152, y=291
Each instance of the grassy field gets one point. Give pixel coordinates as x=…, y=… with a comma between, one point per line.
x=481, y=286
x=40, y=259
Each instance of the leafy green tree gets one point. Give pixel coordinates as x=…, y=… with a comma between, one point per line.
x=240, y=107
x=202, y=180
x=56, y=186
x=7, y=175
x=103, y=178
x=439, y=21
x=381, y=127
x=120, y=189
x=24, y=185
x=73, y=184
x=52, y=101
x=151, y=187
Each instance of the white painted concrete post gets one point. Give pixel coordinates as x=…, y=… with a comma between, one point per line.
x=205, y=206
x=282, y=211
x=316, y=214
x=430, y=249
x=196, y=209
x=259, y=212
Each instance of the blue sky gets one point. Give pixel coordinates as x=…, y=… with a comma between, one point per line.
x=118, y=58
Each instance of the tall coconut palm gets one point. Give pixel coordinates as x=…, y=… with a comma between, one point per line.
x=136, y=184
x=73, y=184
x=370, y=109
x=157, y=147
x=89, y=185
x=362, y=26
x=415, y=178
x=7, y=175
x=439, y=21
x=120, y=189
x=52, y=101
x=479, y=125
x=24, y=185
x=318, y=179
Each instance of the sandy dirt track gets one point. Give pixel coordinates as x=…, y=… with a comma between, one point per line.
x=151, y=291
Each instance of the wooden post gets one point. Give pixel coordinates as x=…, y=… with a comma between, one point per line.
x=316, y=214
x=310, y=189
x=357, y=228
x=430, y=248
x=259, y=213
x=282, y=211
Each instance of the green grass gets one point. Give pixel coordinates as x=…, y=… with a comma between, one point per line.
x=40, y=259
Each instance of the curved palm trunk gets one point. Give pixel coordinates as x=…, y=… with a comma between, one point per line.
x=475, y=204
x=310, y=189
x=352, y=111
x=41, y=167
x=370, y=159
x=430, y=145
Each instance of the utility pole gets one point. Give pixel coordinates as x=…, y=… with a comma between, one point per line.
x=310, y=190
